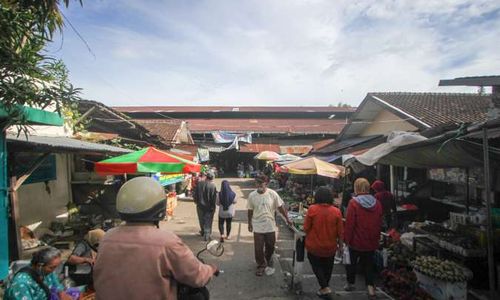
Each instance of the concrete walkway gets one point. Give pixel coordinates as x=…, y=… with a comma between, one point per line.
x=239, y=280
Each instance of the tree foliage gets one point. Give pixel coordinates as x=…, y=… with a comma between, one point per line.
x=28, y=75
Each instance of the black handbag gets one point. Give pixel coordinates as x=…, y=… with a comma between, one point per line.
x=185, y=292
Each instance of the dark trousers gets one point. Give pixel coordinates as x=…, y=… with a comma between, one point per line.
x=366, y=259
x=264, y=248
x=206, y=218
x=322, y=268
x=228, y=225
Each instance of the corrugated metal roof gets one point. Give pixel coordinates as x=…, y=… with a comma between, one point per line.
x=299, y=126
x=257, y=148
x=36, y=143
x=344, y=144
x=179, y=109
x=295, y=149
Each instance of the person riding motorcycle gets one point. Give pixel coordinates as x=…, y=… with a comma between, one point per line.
x=138, y=260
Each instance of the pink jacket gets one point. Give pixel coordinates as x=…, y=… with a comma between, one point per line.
x=141, y=262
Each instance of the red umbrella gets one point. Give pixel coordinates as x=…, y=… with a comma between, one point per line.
x=147, y=160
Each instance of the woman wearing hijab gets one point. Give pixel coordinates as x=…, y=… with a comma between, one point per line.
x=226, y=201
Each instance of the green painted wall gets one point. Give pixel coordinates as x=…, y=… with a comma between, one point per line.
x=4, y=227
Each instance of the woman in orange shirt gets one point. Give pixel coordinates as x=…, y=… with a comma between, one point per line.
x=324, y=230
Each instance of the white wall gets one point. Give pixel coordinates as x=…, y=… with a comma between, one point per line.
x=386, y=122
x=36, y=204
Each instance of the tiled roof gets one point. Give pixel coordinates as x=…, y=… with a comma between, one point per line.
x=165, y=128
x=301, y=126
x=193, y=149
x=177, y=109
x=437, y=109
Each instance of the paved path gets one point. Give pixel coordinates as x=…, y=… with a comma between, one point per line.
x=239, y=280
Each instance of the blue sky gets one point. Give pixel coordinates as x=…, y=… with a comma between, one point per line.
x=274, y=52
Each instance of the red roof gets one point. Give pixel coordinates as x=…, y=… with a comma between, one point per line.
x=296, y=149
x=257, y=148
x=309, y=126
x=184, y=109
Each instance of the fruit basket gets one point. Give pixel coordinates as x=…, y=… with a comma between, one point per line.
x=443, y=279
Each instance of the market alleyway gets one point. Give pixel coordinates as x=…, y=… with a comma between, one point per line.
x=239, y=280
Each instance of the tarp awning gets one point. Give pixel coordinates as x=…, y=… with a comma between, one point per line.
x=444, y=151
x=395, y=140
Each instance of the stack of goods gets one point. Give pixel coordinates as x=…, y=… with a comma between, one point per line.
x=399, y=256
x=442, y=279
x=402, y=284
x=461, y=244
x=444, y=270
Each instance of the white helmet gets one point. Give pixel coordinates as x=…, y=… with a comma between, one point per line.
x=141, y=199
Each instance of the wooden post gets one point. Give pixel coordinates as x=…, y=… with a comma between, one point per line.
x=14, y=211
x=489, y=232
x=467, y=191
x=15, y=184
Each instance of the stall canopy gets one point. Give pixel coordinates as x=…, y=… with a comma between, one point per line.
x=312, y=166
x=462, y=148
x=147, y=160
x=285, y=158
x=395, y=140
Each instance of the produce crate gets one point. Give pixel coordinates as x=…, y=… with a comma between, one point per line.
x=442, y=290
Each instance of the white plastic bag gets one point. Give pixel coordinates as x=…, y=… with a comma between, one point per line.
x=346, y=256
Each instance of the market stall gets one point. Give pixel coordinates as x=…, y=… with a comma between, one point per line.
x=455, y=204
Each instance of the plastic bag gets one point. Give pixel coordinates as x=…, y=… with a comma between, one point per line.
x=346, y=256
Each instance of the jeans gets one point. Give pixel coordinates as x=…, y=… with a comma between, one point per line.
x=322, y=268
x=367, y=261
x=228, y=225
x=205, y=217
x=264, y=248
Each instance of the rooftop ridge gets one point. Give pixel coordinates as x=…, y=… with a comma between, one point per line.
x=430, y=93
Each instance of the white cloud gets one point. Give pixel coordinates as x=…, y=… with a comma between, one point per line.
x=276, y=52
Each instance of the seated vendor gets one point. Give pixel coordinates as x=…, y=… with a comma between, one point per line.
x=83, y=257
x=35, y=281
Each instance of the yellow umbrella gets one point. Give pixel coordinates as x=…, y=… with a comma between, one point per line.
x=267, y=155
x=311, y=166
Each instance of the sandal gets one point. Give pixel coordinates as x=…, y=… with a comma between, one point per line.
x=259, y=272
x=324, y=295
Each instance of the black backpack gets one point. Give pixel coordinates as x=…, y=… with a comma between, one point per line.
x=185, y=292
